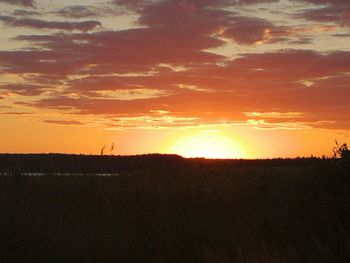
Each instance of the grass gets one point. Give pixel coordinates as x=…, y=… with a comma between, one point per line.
x=169, y=209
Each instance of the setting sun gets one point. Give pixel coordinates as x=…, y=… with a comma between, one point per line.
x=207, y=146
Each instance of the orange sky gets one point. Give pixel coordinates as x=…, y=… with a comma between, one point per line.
x=214, y=78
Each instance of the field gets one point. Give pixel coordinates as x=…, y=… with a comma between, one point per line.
x=163, y=208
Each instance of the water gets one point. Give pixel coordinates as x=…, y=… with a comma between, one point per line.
x=36, y=174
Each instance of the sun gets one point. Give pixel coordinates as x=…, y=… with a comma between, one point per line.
x=214, y=146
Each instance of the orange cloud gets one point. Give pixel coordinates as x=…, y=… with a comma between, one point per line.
x=129, y=75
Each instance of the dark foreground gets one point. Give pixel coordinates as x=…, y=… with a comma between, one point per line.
x=169, y=209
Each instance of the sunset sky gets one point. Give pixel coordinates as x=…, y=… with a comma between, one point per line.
x=213, y=78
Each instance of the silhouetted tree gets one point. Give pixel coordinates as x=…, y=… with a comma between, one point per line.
x=341, y=150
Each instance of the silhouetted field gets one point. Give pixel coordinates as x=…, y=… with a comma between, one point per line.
x=164, y=208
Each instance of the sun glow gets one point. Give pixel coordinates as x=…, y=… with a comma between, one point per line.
x=208, y=146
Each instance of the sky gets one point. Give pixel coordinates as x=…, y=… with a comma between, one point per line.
x=212, y=78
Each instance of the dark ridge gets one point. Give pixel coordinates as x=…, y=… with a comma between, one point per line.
x=73, y=163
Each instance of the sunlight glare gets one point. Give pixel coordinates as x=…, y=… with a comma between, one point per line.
x=214, y=146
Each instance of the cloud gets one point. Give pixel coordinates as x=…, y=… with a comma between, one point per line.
x=206, y=17
x=288, y=125
x=326, y=2
x=275, y=115
x=29, y=3
x=337, y=11
x=151, y=120
x=42, y=24
x=16, y=113
x=341, y=35
x=174, y=33
x=78, y=11
x=247, y=31
x=63, y=122
x=132, y=4
x=22, y=89
x=178, y=33
x=20, y=12
x=164, y=65
x=38, y=62
x=270, y=84
x=134, y=50
x=190, y=3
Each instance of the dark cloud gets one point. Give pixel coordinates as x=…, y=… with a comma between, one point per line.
x=248, y=31
x=78, y=11
x=133, y=50
x=206, y=18
x=132, y=4
x=41, y=62
x=337, y=11
x=289, y=65
x=20, y=12
x=175, y=34
x=42, y=24
x=30, y=3
x=327, y=2
x=189, y=3
x=342, y=35
x=23, y=89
